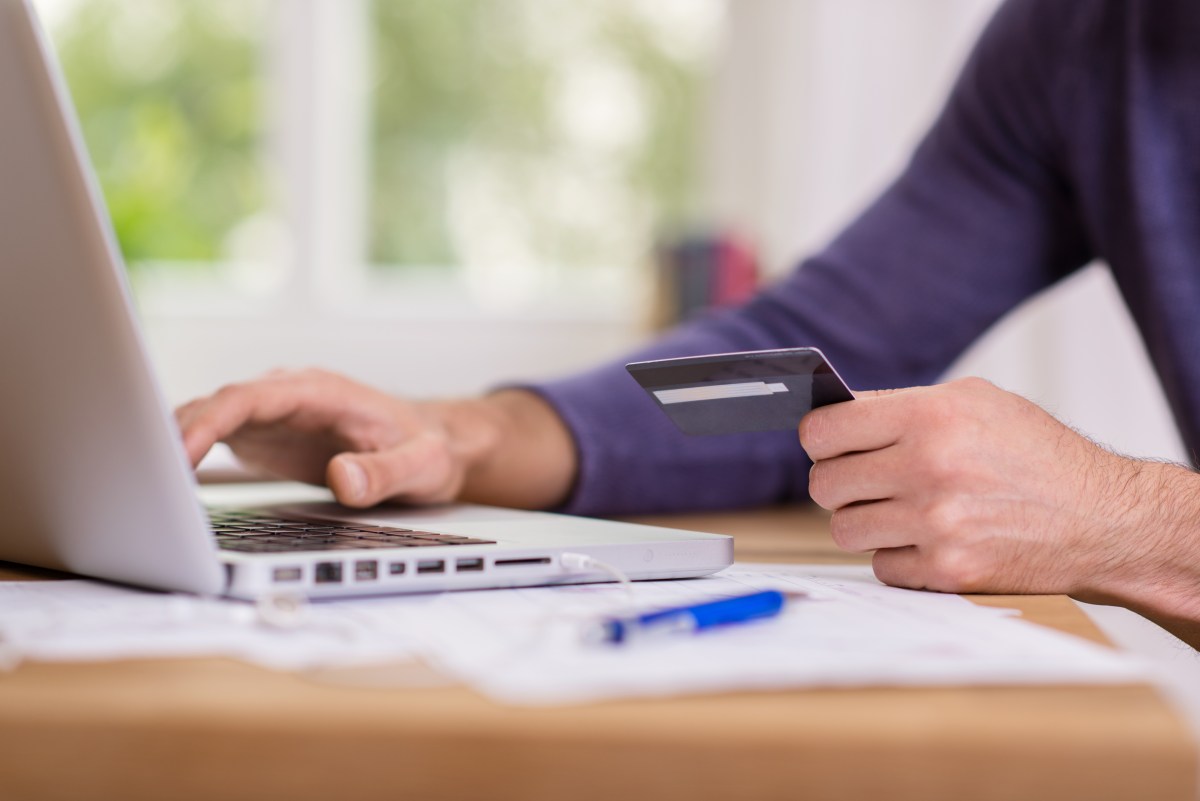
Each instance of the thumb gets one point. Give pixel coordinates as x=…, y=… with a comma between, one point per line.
x=418, y=468
x=347, y=476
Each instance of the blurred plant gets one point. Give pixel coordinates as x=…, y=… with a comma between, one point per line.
x=548, y=135
x=551, y=132
x=169, y=95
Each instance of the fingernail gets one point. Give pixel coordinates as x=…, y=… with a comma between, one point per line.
x=356, y=478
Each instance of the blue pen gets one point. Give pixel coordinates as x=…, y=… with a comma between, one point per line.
x=691, y=619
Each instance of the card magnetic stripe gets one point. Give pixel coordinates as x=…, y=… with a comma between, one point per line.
x=718, y=392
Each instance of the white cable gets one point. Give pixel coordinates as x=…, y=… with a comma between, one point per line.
x=582, y=563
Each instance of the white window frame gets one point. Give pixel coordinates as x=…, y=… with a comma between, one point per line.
x=317, y=117
x=331, y=309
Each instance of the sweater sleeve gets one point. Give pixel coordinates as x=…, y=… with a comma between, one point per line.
x=981, y=218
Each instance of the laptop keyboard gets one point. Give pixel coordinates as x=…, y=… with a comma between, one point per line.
x=253, y=532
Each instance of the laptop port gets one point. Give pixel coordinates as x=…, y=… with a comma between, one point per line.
x=328, y=573
x=431, y=566
x=396, y=569
x=285, y=574
x=367, y=570
x=537, y=560
x=468, y=565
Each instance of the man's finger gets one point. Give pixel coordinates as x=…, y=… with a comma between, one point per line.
x=219, y=416
x=874, y=420
x=857, y=477
x=195, y=442
x=871, y=526
x=419, y=469
x=899, y=567
x=183, y=418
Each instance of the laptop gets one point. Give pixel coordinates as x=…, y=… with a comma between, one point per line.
x=93, y=476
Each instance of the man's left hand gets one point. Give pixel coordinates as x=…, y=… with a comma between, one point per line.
x=964, y=487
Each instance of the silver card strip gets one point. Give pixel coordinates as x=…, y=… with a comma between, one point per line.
x=717, y=392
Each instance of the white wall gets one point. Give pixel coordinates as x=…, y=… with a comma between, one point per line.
x=819, y=105
x=411, y=356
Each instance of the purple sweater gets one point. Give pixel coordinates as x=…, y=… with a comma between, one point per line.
x=1072, y=134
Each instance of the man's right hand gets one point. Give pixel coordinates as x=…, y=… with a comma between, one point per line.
x=509, y=448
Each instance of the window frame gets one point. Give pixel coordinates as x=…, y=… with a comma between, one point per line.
x=315, y=146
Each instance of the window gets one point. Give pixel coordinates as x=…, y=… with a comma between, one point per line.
x=534, y=143
x=274, y=153
x=170, y=96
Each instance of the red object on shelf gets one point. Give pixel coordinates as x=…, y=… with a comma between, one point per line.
x=736, y=276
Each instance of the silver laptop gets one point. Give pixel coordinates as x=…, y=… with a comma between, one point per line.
x=93, y=477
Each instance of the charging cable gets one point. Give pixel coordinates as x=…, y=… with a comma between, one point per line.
x=582, y=563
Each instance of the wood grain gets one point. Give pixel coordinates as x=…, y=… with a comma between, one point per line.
x=216, y=729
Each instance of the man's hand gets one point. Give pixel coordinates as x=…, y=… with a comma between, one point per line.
x=966, y=488
x=509, y=448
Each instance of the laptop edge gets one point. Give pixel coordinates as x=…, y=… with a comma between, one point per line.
x=94, y=479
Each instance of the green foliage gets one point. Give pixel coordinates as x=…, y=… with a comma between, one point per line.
x=488, y=120
x=485, y=79
x=169, y=94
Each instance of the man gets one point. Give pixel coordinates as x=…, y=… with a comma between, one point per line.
x=1073, y=134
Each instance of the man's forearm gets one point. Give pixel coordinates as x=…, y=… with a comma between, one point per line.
x=1159, y=572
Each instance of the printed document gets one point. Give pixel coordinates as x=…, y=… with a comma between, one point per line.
x=529, y=646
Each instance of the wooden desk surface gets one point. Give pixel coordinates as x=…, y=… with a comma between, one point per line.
x=216, y=729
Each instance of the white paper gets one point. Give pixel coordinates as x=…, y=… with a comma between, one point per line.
x=527, y=646
x=72, y=621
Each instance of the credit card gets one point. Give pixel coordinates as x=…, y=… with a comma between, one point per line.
x=731, y=393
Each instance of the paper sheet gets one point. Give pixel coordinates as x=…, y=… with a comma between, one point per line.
x=526, y=646
x=77, y=620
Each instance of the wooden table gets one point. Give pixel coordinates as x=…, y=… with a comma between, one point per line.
x=217, y=729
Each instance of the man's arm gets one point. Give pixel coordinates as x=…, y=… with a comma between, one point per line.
x=981, y=218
